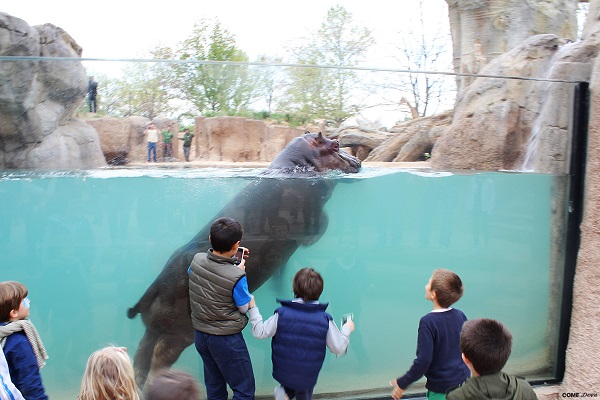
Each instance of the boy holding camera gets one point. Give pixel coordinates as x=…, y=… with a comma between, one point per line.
x=219, y=300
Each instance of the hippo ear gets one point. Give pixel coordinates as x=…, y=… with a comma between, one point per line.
x=320, y=137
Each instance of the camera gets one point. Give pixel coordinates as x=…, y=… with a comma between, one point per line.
x=346, y=317
x=240, y=254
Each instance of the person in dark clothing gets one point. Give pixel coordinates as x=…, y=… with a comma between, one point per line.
x=187, y=143
x=92, y=92
x=301, y=332
x=486, y=345
x=438, y=351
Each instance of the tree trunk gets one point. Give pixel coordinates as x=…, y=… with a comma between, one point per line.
x=484, y=29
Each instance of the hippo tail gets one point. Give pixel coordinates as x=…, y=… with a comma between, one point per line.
x=143, y=303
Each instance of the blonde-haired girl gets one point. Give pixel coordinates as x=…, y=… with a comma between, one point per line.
x=109, y=376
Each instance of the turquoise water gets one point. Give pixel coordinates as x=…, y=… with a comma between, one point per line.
x=87, y=245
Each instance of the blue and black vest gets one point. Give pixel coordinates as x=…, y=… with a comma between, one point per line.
x=300, y=344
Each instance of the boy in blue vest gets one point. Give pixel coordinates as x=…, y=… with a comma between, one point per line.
x=438, y=342
x=301, y=332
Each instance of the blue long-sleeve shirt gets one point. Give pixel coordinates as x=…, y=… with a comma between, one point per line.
x=24, y=370
x=438, y=352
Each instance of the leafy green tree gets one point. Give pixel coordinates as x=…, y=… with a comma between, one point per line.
x=270, y=80
x=328, y=92
x=147, y=88
x=214, y=88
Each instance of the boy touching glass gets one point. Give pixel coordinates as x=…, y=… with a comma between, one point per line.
x=301, y=332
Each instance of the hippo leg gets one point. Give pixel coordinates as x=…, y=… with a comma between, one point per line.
x=168, y=348
x=143, y=357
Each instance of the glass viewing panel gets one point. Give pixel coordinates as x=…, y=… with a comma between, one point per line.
x=88, y=243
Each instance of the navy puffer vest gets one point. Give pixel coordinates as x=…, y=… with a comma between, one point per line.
x=300, y=344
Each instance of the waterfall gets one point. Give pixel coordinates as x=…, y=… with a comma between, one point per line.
x=545, y=116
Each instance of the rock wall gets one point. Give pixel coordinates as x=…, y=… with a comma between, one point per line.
x=240, y=139
x=38, y=99
x=485, y=29
x=232, y=139
x=496, y=121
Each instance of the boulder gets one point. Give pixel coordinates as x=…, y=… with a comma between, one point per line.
x=415, y=138
x=38, y=99
x=494, y=117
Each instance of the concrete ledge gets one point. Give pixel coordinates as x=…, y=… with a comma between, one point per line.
x=547, y=392
x=229, y=164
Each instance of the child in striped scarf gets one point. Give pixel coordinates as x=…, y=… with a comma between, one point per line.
x=23, y=348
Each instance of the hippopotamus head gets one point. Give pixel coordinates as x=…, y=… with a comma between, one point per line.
x=315, y=152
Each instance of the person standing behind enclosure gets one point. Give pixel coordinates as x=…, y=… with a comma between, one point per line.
x=92, y=93
x=22, y=346
x=219, y=300
x=108, y=376
x=301, y=332
x=152, y=138
x=187, y=143
x=438, y=343
x=167, y=137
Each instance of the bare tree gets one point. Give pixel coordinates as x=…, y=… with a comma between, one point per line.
x=422, y=50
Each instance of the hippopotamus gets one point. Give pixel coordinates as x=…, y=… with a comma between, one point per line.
x=279, y=211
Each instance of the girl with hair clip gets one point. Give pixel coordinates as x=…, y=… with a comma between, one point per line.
x=109, y=376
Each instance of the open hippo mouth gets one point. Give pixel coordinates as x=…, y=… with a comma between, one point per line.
x=352, y=163
x=313, y=153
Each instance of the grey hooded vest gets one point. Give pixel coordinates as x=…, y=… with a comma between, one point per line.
x=212, y=279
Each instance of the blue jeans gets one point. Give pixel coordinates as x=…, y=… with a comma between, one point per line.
x=151, y=148
x=226, y=362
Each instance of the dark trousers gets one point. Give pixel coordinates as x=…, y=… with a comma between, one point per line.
x=93, y=104
x=305, y=394
x=186, y=153
x=226, y=362
x=167, y=151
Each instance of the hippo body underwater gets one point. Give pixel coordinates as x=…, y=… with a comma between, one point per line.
x=279, y=211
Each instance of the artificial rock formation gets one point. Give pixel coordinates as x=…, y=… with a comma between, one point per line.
x=38, y=100
x=228, y=139
x=520, y=124
x=124, y=139
x=239, y=139
x=485, y=29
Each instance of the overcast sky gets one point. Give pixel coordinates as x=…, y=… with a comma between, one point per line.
x=129, y=28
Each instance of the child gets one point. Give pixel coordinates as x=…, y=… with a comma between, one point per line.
x=486, y=345
x=109, y=376
x=219, y=300
x=8, y=391
x=438, y=351
x=168, y=384
x=301, y=331
x=23, y=348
